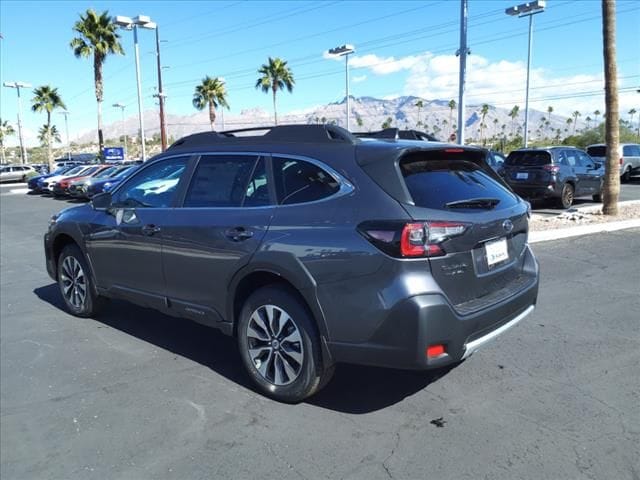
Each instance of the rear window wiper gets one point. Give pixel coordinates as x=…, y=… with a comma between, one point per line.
x=487, y=203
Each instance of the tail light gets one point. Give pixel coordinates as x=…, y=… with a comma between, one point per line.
x=621, y=160
x=411, y=240
x=552, y=168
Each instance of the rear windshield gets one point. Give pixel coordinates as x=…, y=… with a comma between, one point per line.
x=434, y=183
x=529, y=158
x=600, y=151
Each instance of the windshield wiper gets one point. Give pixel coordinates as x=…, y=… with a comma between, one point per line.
x=487, y=203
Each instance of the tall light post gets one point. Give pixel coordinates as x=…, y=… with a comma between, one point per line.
x=66, y=127
x=345, y=51
x=122, y=106
x=527, y=10
x=132, y=24
x=462, y=52
x=18, y=86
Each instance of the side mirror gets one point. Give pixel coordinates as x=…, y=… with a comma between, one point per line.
x=102, y=201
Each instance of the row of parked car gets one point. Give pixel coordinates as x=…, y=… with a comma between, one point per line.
x=81, y=181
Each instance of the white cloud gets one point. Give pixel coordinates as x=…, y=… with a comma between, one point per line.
x=381, y=65
x=359, y=79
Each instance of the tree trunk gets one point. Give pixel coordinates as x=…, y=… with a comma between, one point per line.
x=97, y=74
x=275, y=112
x=2, y=156
x=612, y=127
x=49, y=150
x=212, y=116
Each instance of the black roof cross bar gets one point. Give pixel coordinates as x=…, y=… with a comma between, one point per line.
x=396, y=134
x=280, y=133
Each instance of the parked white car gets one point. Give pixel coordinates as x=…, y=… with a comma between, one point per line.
x=48, y=183
x=15, y=173
x=629, y=159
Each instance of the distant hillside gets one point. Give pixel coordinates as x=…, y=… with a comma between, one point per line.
x=367, y=114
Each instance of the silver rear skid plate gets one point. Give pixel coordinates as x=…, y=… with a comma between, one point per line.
x=480, y=342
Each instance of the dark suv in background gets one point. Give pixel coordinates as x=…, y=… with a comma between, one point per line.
x=557, y=173
x=311, y=247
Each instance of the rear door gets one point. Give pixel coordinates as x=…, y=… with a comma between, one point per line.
x=225, y=214
x=485, y=259
x=578, y=170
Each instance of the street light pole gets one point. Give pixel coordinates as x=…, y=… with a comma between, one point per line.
x=133, y=24
x=18, y=86
x=462, y=52
x=527, y=10
x=122, y=106
x=345, y=51
x=66, y=127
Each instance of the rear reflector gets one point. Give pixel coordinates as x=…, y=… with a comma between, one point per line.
x=435, y=351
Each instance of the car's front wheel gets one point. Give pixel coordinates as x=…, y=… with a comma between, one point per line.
x=626, y=176
x=280, y=345
x=75, y=283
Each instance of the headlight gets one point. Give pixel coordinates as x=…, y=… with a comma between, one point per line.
x=53, y=220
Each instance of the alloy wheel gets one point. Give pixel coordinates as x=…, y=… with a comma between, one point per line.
x=275, y=345
x=74, y=282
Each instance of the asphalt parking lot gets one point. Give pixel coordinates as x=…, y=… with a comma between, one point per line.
x=137, y=395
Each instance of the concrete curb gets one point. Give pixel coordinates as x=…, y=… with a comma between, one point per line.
x=547, y=235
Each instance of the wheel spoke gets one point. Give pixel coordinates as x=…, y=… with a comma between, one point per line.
x=271, y=318
x=294, y=354
x=290, y=370
x=278, y=369
x=260, y=322
x=257, y=333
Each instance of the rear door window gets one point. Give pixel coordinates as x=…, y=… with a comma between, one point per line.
x=224, y=181
x=528, y=158
x=631, y=151
x=434, y=183
x=297, y=181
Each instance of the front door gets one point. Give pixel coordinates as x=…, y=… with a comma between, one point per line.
x=125, y=242
x=226, y=212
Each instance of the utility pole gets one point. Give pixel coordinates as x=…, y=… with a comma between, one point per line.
x=161, y=95
x=66, y=126
x=18, y=86
x=462, y=52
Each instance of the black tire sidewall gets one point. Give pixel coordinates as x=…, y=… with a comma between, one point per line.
x=87, y=309
x=309, y=378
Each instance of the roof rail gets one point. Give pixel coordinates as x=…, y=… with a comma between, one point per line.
x=396, y=133
x=279, y=133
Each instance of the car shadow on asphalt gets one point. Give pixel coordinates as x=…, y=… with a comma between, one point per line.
x=354, y=389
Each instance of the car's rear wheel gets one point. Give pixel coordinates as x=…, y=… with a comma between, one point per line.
x=566, y=197
x=280, y=345
x=74, y=280
x=626, y=176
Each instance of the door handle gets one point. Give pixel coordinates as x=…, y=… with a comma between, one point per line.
x=238, y=234
x=150, y=229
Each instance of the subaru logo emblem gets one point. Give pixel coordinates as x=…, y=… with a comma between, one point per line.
x=507, y=225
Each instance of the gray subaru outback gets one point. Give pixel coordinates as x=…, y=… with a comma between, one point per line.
x=311, y=247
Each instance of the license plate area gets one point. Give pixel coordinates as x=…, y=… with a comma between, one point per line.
x=522, y=175
x=496, y=251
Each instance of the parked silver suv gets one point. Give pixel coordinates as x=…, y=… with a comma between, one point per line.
x=629, y=160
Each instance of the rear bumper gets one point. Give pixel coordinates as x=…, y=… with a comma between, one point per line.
x=536, y=191
x=424, y=320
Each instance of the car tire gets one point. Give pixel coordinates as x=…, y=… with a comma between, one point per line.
x=566, y=196
x=597, y=197
x=626, y=176
x=24, y=178
x=282, y=359
x=76, y=283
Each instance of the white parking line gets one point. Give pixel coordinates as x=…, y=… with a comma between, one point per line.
x=8, y=185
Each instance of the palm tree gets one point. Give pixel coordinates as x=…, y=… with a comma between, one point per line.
x=211, y=93
x=419, y=104
x=47, y=99
x=6, y=130
x=588, y=120
x=514, y=115
x=631, y=113
x=98, y=37
x=575, y=114
x=387, y=123
x=611, y=187
x=275, y=75
x=483, y=111
x=569, y=122
x=47, y=133
x=452, y=106
x=596, y=113
x=549, y=111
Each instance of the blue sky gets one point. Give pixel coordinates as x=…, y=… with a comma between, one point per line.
x=402, y=48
